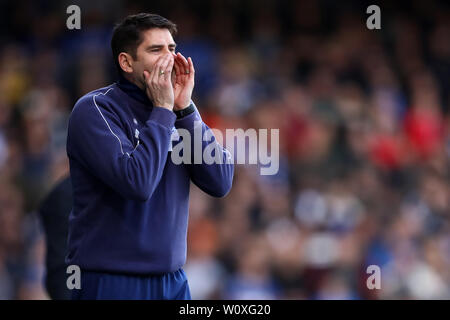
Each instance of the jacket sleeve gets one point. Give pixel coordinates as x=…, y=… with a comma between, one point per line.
x=97, y=140
x=215, y=179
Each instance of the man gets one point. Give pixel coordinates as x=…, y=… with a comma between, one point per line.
x=128, y=225
x=54, y=213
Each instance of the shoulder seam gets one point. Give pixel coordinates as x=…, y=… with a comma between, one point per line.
x=95, y=103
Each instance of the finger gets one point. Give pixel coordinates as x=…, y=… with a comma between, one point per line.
x=173, y=76
x=185, y=63
x=174, y=55
x=155, y=71
x=164, y=68
x=146, y=76
x=178, y=66
x=169, y=68
x=150, y=74
x=191, y=67
x=177, y=61
x=159, y=66
x=155, y=65
x=180, y=55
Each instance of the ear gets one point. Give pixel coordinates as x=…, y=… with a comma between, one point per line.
x=125, y=62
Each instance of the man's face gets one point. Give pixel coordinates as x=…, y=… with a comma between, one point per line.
x=156, y=43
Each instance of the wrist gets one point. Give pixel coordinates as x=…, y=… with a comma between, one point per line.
x=165, y=106
x=180, y=113
x=178, y=107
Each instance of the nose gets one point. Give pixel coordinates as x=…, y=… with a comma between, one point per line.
x=167, y=51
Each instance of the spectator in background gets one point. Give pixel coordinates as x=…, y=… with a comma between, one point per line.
x=364, y=142
x=54, y=213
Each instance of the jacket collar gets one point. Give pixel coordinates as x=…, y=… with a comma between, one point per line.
x=133, y=91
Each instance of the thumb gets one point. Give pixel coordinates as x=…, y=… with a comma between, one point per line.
x=146, y=75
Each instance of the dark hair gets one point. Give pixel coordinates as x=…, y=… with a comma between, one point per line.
x=127, y=34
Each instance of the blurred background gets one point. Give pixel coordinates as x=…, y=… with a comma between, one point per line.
x=364, y=141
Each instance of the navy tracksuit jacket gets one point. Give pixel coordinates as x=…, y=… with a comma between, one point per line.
x=130, y=201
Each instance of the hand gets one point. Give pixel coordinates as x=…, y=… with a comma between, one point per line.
x=159, y=84
x=182, y=81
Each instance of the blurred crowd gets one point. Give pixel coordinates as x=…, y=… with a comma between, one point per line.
x=364, y=126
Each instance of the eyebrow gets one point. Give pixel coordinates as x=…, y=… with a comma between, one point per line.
x=159, y=46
